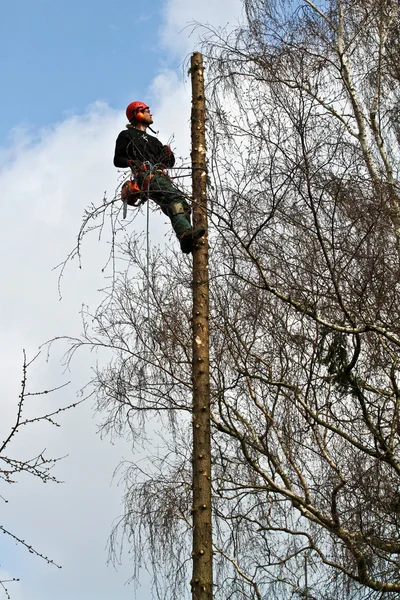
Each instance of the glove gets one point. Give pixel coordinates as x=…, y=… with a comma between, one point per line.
x=168, y=158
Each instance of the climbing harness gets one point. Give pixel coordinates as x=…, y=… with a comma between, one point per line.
x=153, y=170
x=131, y=192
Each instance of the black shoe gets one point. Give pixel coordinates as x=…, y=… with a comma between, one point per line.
x=186, y=242
x=188, y=237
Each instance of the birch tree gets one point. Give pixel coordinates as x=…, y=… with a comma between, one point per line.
x=303, y=139
x=306, y=205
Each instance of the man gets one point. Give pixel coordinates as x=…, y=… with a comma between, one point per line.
x=148, y=160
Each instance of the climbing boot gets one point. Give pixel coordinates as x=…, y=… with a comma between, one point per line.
x=189, y=236
x=186, y=242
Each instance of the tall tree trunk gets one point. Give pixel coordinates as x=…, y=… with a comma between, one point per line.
x=202, y=579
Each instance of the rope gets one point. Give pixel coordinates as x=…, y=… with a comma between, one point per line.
x=189, y=168
x=186, y=169
x=148, y=254
x=125, y=207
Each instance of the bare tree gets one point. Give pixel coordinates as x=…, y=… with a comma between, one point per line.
x=306, y=203
x=39, y=466
x=304, y=324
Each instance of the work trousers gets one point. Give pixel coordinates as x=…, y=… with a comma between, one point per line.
x=166, y=194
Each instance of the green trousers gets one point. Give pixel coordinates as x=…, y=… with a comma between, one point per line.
x=165, y=194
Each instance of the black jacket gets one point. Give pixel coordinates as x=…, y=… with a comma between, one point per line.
x=138, y=146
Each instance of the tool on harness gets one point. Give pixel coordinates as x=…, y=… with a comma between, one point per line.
x=130, y=192
x=130, y=195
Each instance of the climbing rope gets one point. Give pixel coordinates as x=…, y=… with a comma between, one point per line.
x=152, y=169
x=192, y=168
x=148, y=254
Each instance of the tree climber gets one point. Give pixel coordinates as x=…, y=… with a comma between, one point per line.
x=148, y=160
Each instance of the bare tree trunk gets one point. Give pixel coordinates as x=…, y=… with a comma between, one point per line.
x=202, y=531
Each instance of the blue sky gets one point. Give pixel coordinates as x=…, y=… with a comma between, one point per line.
x=69, y=68
x=57, y=57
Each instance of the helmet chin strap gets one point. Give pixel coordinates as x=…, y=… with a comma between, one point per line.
x=141, y=120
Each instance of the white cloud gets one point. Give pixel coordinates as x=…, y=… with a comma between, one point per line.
x=172, y=110
x=179, y=33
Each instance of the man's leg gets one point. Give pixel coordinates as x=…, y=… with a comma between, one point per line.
x=174, y=204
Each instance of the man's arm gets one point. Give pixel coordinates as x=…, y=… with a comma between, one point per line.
x=121, y=150
x=167, y=157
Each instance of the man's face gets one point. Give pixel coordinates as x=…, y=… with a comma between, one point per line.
x=148, y=117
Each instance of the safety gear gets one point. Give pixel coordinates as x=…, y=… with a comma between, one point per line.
x=134, y=110
x=167, y=150
x=176, y=208
x=144, y=178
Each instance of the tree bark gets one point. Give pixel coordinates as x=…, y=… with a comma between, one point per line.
x=202, y=580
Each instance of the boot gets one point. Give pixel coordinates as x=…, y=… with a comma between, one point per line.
x=189, y=236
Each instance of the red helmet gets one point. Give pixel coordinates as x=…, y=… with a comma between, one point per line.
x=134, y=108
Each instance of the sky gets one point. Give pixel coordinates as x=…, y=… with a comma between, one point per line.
x=68, y=71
